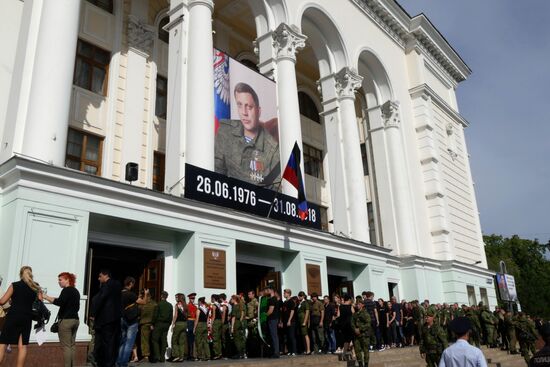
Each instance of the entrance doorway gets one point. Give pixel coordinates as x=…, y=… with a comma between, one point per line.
x=145, y=266
x=256, y=277
x=340, y=285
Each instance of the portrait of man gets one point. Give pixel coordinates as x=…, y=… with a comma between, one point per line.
x=247, y=149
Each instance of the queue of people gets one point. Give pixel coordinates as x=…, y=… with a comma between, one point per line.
x=126, y=326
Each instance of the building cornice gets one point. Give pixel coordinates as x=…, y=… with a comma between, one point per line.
x=424, y=91
x=418, y=30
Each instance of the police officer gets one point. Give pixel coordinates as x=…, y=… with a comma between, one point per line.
x=361, y=323
x=161, y=323
x=244, y=149
x=433, y=339
x=542, y=357
x=316, y=324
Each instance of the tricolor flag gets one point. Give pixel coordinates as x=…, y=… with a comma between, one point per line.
x=222, y=109
x=293, y=174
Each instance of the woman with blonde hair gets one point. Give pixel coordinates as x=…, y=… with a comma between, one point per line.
x=69, y=305
x=17, y=328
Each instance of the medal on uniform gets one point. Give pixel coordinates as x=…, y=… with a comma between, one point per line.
x=256, y=168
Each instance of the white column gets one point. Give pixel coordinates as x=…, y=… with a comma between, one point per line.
x=347, y=82
x=287, y=42
x=140, y=40
x=46, y=126
x=177, y=101
x=200, y=101
x=399, y=179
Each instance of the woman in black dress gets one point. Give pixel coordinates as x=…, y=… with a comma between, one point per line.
x=345, y=313
x=17, y=328
x=383, y=324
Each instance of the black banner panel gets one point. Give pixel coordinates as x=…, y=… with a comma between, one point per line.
x=217, y=189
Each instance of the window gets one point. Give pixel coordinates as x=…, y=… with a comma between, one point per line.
x=158, y=171
x=91, y=67
x=313, y=161
x=365, y=160
x=106, y=5
x=471, y=295
x=164, y=35
x=161, y=101
x=324, y=218
x=484, y=297
x=308, y=108
x=372, y=224
x=84, y=152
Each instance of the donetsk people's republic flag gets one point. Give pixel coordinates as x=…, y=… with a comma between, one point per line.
x=222, y=94
x=293, y=174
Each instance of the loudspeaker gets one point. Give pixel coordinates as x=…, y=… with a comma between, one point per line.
x=131, y=171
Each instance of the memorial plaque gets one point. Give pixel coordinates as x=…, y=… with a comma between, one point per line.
x=313, y=279
x=214, y=268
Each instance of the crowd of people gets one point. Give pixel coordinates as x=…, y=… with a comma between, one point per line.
x=127, y=326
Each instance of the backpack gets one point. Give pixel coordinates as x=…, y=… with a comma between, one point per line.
x=40, y=312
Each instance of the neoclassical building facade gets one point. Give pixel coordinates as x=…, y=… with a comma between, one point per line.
x=367, y=91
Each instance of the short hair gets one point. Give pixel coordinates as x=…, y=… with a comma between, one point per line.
x=70, y=276
x=314, y=294
x=164, y=294
x=358, y=299
x=368, y=294
x=301, y=294
x=105, y=272
x=245, y=88
x=289, y=291
x=128, y=281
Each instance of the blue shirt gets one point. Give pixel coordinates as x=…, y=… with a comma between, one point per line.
x=462, y=354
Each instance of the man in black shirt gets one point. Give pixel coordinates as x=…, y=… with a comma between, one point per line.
x=129, y=321
x=273, y=320
x=330, y=313
x=289, y=322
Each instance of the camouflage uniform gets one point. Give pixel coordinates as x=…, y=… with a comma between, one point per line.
x=418, y=317
x=256, y=162
x=238, y=331
x=361, y=324
x=162, y=318
x=145, y=322
x=433, y=340
x=317, y=333
x=527, y=335
x=510, y=332
x=475, y=335
x=487, y=319
x=252, y=318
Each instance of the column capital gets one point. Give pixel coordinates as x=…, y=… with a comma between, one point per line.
x=287, y=41
x=207, y=3
x=140, y=35
x=347, y=82
x=390, y=114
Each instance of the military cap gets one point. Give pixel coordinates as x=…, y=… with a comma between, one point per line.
x=431, y=311
x=461, y=325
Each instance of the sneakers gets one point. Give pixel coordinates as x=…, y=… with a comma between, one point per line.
x=382, y=348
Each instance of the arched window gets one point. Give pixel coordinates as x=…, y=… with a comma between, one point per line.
x=308, y=108
x=164, y=35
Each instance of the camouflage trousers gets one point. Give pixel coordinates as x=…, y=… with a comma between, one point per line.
x=201, y=341
x=432, y=359
x=180, y=348
x=527, y=349
x=361, y=345
x=217, y=330
x=238, y=338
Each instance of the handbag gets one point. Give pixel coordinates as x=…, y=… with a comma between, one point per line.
x=55, y=326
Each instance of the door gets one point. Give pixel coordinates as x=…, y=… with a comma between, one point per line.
x=273, y=280
x=346, y=287
x=153, y=278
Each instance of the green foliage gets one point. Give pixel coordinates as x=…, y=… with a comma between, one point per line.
x=526, y=262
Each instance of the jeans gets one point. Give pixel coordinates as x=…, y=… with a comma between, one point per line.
x=397, y=332
x=330, y=337
x=272, y=324
x=127, y=340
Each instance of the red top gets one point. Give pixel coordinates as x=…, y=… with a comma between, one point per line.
x=191, y=311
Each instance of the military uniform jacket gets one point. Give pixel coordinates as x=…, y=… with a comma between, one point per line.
x=252, y=309
x=256, y=162
x=361, y=320
x=316, y=308
x=433, y=340
x=164, y=313
x=147, y=312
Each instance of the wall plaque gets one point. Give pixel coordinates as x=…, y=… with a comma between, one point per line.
x=214, y=268
x=313, y=279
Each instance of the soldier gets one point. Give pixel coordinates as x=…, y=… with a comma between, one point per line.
x=147, y=312
x=475, y=337
x=162, y=319
x=237, y=331
x=251, y=318
x=179, y=330
x=527, y=335
x=488, y=323
x=499, y=315
x=191, y=314
x=418, y=317
x=217, y=326
x=200, y=329
x=244, y=149
x=510, y=332
x=303, y=319
x=316, y=324
x=362, y=328
x=433, y=340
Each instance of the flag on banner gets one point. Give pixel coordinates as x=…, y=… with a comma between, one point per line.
x=222, y=109
x=293, y=175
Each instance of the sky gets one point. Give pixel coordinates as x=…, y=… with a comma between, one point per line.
x=506, y=101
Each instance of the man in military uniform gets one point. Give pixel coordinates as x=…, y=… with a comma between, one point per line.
x=303, y=320
x=527, y=335
x=251, y=320
x=316, y=324
x=487, y=320
x=245, y=150
x=510, y=332
x=475, y=336
x=162, y=319
x=433, y=339
x=147, y=312
x=418, y=317
x=361, y=324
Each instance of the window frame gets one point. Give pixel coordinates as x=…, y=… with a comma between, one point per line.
x=156, y=180
x=92, y=63
x=306, y=150
x=82, y=159
x=165, y=95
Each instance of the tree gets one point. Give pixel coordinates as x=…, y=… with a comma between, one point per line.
x=525, y=260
